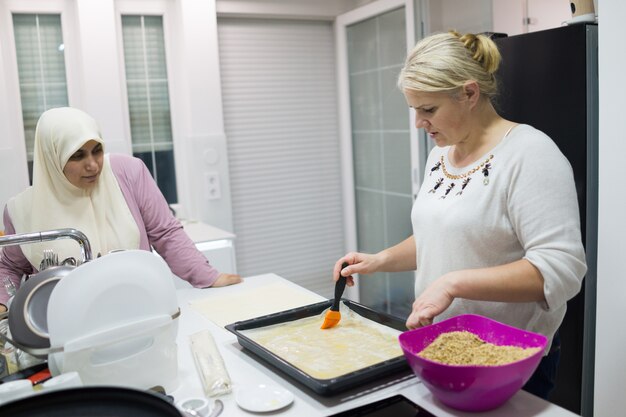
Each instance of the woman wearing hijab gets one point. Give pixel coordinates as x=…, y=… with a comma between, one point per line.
x=112, y=199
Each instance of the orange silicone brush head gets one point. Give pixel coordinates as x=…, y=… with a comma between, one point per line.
x=333, y=315
x=331, y=319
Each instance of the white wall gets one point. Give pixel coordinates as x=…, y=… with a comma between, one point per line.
x=200, y=118
x=509, y=16
x=474, y=18
x=610, y=368
x=100, y=92
x=293, y=9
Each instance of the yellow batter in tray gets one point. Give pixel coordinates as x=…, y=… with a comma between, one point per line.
x=353, y=344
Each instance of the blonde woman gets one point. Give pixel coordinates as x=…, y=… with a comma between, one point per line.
x=496, y=228
x=111, y=198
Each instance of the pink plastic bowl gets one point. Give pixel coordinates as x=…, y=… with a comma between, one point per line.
x=473, y=388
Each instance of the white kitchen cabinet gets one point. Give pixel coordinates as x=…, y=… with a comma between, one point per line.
x=217, y=245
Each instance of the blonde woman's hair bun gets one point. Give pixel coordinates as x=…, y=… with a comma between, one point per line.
x=483, y=50
x=445, y=62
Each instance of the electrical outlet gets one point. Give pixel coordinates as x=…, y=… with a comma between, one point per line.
x=212, y=181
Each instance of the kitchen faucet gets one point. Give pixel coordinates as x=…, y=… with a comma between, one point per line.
x=47, y=235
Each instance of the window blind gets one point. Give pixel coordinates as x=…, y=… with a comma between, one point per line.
x=280, y=113
x=41, y=67
x=148, y=98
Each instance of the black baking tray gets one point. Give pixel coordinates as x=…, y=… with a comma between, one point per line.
x=325, y=387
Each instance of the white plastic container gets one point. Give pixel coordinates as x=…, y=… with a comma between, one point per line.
x=121, y=324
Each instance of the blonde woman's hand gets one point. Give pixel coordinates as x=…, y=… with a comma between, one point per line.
x=224, y=280
x=432, y=302
x=358, y=263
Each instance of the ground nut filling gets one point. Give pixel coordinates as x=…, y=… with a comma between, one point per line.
x=465, y=348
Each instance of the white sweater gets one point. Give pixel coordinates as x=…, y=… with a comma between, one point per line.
x=527, y=209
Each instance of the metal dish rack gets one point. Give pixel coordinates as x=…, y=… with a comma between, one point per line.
x=50, y=259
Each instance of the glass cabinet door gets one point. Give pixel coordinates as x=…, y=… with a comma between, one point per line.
x=381, y=152
x=387, y=154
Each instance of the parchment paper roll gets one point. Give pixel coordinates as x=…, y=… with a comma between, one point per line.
x=210, y=365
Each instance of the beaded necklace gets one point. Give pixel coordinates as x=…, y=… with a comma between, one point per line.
x=484, y=167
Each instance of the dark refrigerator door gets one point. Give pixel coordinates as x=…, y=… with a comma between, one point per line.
x=543, y=83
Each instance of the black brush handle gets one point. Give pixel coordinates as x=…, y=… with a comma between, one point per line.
x=340, y=286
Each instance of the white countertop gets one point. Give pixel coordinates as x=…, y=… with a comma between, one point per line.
x=245, y=369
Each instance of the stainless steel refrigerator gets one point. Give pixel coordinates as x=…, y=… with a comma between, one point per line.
x=549, y=79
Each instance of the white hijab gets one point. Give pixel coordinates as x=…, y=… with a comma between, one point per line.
x=52, y=202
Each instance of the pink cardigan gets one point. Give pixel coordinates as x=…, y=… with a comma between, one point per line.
x=158, y=229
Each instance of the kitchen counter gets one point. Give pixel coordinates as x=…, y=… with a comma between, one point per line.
x=246, y=369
